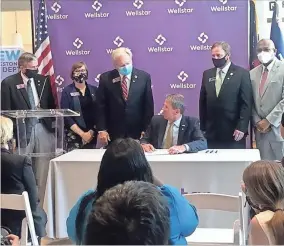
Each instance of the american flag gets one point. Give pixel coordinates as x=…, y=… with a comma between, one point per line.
x=42, y=47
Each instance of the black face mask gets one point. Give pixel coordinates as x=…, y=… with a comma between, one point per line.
x=80, y=78
x=218, y=63
x=31, y=73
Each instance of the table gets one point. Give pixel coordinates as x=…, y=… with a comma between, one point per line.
x=218, y=171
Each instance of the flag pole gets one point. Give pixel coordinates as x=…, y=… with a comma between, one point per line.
x=32, y=23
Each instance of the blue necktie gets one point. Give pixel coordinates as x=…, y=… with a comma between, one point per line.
x=31, y=95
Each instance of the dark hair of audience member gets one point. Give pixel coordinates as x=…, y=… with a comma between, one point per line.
x=264, y=181
x=124, y=160
x=134, y=213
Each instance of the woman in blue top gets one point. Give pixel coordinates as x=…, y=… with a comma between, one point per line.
x=124, y=160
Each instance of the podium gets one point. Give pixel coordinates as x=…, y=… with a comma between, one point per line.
x=25, y=122
x=40, y=136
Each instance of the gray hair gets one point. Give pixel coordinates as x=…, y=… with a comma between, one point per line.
x=6, y=130
x=269, y=42
x=26, y=58
x=177, y=101
x=122, y=51
x=224, y=45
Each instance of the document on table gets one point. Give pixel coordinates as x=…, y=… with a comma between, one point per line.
x=158, y=152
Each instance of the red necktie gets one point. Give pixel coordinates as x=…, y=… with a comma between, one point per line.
x=124, y=87
x=263, y=81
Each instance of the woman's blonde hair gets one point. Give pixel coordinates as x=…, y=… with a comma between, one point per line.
x=6, y=130
x=264, y=182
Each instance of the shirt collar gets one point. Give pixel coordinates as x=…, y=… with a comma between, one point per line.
x=25, y=78
x=270, y=66
x=224, y=69
x=127, y=76
x=177, y=122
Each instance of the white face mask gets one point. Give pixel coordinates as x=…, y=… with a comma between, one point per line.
x=264, y=57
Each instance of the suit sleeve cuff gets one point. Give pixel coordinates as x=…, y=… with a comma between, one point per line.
x=186, y=147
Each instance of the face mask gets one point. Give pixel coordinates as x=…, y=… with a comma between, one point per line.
x=265, y=57
x=31, y=73
x=80, y=78
x=125, y=70
x=218, y=63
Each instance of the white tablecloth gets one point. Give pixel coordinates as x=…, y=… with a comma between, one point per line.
x=72, y=174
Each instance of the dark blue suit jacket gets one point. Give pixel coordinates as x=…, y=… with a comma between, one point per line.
x=69, y=100
x=124, y=118
x=189, y=133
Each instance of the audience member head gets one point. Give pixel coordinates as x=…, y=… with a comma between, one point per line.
x=124, y=160
x=6, y=131
x=265, y=51
x=122, y=60
x=79, y=72
x=221, y=53
x=264, y=186
x=134, y=213
x=28, y=64
x=173, y=107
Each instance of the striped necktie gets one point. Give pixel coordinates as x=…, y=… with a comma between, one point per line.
x=124, y=87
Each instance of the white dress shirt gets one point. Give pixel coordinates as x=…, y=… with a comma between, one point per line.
x=128, y=80
x=25, y=80
x=269, y=67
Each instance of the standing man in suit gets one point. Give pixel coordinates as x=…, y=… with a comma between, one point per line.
x=28, y=90
x=225, y=101
x=173, y=130
x=124, y=100
x=268, y=94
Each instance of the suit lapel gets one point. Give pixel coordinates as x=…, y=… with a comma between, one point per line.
x=182, y=127
x=270, y=77
x=116, y=85
x=23, y=90
x=39, y=87
x=212, y=80
x=133, y=83
x=162, y=130
x=228, y=78
x=256, y=82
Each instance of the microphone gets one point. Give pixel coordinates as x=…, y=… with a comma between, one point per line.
x=161, y=112
x=38, y=106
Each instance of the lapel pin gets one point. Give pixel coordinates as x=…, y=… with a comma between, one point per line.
x=135, y=76
x=228, y=78
x=231, y=74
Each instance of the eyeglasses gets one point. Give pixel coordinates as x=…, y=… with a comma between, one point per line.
x=80, y=71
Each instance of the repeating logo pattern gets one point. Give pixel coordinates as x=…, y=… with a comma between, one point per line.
x=160, y=39
x=138, y=4
x=97, y=5
x=182, y=76
x=78, y=43
x=56, y=7
x=180, y=3
x=118, y=41
x=156, y=30
x=203, y=38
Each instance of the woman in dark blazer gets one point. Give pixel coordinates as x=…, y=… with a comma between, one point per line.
x=16, y=177
x=80, y=97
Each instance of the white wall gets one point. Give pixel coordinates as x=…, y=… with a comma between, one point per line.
x=262, y=8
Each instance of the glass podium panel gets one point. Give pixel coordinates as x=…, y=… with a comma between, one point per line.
x=39, y=133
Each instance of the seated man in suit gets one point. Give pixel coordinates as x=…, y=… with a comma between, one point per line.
x=173, y=130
